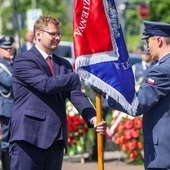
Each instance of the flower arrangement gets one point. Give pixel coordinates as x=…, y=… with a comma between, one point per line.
x=77, y=130
x=127, y=134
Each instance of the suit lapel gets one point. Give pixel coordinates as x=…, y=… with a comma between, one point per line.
x=56, y=65
x=41, y=62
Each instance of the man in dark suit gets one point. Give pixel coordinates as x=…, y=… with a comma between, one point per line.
x=42, y=82
x=6, y=97
x=154, y=98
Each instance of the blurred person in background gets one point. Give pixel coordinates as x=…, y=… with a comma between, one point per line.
x=6, y=97
x=140, y=70
x=29, y=41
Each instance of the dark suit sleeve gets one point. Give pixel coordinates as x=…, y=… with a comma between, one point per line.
x=33, y=73
x=83, y=105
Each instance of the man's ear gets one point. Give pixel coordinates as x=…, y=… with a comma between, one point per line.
x=159, y=41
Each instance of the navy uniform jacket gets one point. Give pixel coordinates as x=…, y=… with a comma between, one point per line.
x=6, y=99
x=154, y=104
x=40, y=98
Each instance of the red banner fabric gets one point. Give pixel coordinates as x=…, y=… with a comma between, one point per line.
x=91, y=29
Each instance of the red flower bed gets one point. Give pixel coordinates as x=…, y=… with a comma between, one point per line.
x=77, y=130
x=128, y=135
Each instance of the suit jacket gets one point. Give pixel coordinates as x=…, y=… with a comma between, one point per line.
x=154, y=104
x=6, y=98
x=39, y=108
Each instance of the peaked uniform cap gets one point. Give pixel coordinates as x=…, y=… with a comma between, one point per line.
x=6, y=42
x=155, y=29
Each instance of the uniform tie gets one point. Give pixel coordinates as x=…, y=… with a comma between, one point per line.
x=50, y=64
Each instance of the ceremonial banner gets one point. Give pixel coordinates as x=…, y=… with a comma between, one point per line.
x=101, y=55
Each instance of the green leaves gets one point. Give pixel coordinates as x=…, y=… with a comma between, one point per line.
x=71, y=150
x=77, y=148
x=56, y=8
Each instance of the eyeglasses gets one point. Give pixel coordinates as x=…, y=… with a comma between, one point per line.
x=52, y=34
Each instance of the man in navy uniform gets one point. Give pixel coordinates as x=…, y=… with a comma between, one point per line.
x=154, y=98
x=6, y=98
x=141, y=69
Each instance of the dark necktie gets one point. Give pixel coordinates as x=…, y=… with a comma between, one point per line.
x=52, y=70
x=50, y=64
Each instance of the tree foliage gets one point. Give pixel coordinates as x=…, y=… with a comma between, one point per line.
x=159, y=11
x=56, y=8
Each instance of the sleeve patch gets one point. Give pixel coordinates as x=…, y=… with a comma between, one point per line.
x=150, y=81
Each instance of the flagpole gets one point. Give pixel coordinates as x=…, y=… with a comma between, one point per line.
x=99, y=136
